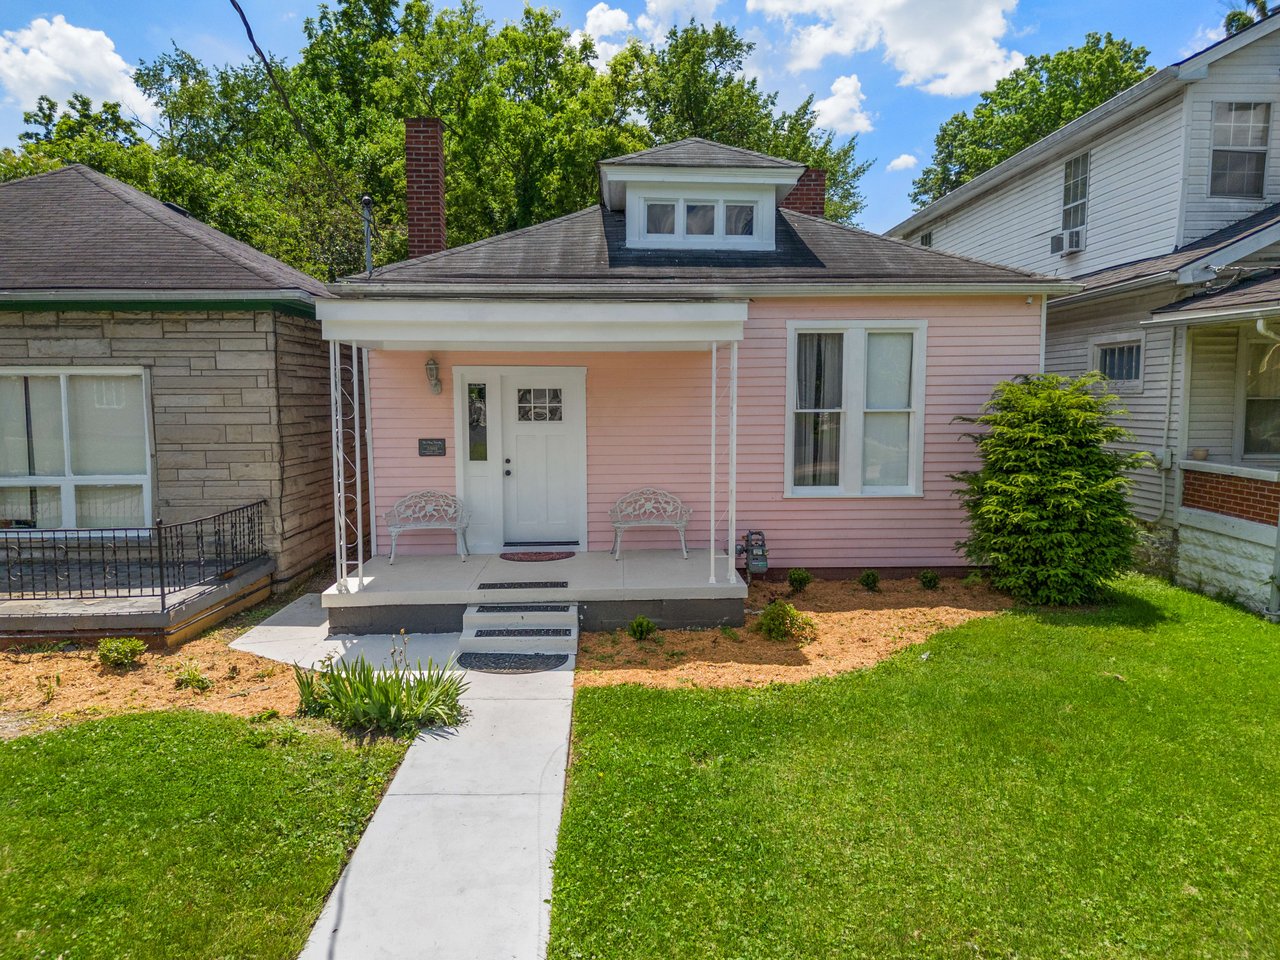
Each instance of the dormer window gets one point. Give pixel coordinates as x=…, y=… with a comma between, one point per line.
x=699, y=221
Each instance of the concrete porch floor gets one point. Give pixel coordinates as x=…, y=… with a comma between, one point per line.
x=639, y=575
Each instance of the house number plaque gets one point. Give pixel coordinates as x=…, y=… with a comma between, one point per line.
x=431, y=448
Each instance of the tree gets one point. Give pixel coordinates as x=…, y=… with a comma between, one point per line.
x=1246, y=15
x=1046, y=93
x=1048, y=512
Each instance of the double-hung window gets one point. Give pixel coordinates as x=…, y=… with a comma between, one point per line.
x=1075, y=192
x=74, y=449
x=1241, y=134
x=856, y=393
x=1260, y=413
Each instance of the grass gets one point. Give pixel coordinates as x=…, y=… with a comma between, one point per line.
x=1101, y=783
x=178, y=834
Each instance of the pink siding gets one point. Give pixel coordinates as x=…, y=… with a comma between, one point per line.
x=648, y=422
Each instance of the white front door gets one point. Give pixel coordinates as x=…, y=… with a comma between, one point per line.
x=522, y=456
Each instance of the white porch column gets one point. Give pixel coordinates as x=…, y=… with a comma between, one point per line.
x=348, y=482
x=714, y=389
x=732, y=532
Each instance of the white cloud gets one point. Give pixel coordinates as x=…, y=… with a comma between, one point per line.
x=56, y=58
x=661, y=15
x=948, y=47
x=905, y=161
x=606, y=21
x=842, y=111
x=1203, y=37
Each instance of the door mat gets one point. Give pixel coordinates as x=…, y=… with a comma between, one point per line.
x=512, y=662
x=536, y=556
x=525, y=585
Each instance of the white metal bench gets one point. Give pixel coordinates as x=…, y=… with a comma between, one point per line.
x=648, y=507
x=429, y=510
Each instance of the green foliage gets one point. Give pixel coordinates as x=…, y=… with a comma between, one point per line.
x=1046, y=93
x=781, y=621
x=189, y=677
x=929, y=579
x=1047, y=510
x=798, y=578
x=974, y=578
x=870, y=579
x=120, y=652
x=642, y=628
x=1088, y=773
x=1245, y=15
x=527, y=115
x=263, y=716
x=109, y=812
x=398, y=700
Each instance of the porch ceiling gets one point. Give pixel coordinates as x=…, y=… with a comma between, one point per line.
x=533, y=325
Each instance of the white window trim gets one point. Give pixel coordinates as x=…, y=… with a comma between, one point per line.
x=1096, y=345
x=1265, y=151
x=640, y=195
x=854, y=408
x=1088, y=184
x=69, y=481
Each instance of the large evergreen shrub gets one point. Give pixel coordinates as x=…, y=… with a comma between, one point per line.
x=1048, y=514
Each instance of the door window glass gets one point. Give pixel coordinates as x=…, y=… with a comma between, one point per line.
x=539, y=405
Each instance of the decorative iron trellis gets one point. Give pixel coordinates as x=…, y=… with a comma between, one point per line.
x=157, y=561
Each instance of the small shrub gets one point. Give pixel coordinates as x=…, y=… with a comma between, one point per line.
x=798, y=578
x=120, y=652
x=781, y=621
x=642, y=628
x=189, y=677
x=1048, y=512
x=929, y=579
x=398, y=701
x=870, y=579
x=973, y=579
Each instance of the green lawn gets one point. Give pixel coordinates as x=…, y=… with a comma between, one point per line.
x=1090, y=784
x=177, y=834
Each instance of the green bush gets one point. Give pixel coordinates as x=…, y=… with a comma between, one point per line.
x=1048, y=514
x=781, y=621
x=189, y=677
x=798, y=578
x=929, y=579
x=870, y=579
x=120, y=652
x=398, y=700
x=642, y=628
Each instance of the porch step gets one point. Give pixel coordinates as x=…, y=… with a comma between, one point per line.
x=520, y=628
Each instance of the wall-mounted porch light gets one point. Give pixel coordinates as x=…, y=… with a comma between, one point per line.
x=433, y=375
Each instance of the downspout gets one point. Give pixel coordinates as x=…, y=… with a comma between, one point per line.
x=1272, y=612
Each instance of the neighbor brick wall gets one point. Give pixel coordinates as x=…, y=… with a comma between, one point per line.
x=239, y=405
x=424, y=184
x=1242, y=497
x=809, y=195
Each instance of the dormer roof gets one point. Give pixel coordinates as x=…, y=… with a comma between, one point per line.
x=697, y=152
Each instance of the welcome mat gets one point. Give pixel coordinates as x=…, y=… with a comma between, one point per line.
x=525, y=585
x=512, y=662
x=536, y=556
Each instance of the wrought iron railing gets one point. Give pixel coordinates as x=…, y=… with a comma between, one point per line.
x=158, y=561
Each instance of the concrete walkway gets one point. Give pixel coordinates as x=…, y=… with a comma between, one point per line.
x=456, y=863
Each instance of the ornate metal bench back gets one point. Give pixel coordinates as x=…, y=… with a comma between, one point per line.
x=650, y=505
x=430, y=508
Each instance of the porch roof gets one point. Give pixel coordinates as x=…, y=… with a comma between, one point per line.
x=1258, y=298
x=533, y=325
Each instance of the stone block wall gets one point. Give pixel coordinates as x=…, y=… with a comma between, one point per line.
x=239, y=405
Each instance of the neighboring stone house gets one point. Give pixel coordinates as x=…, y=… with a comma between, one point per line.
x=151, y=369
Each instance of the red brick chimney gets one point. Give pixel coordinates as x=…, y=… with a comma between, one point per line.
x=424, y=184
x=809, y=195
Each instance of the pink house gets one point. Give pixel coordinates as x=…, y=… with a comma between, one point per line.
x=703, y=331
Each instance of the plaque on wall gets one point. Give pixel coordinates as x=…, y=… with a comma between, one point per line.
x=431, y=448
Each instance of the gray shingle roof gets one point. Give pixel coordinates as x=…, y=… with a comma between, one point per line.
x=696, y=152
x=77, y=229
x=1169, y=262
x=1251, y=293
x=589, y=247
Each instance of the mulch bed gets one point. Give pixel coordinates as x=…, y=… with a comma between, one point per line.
x=856, y=629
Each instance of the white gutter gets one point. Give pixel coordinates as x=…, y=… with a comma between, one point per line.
x=697, y=292
x=1114, y=289
x=1188, y=317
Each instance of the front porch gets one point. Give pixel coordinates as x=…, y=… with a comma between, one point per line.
x=430, y=594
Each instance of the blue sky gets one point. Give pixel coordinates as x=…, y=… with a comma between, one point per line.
x=889, y=70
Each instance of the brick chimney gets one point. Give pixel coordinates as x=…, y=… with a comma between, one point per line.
x=809, y=195
x=424, y=184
